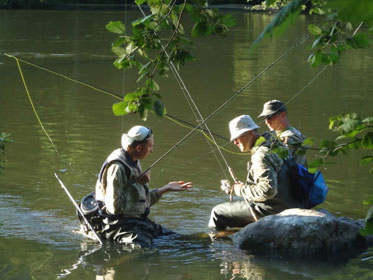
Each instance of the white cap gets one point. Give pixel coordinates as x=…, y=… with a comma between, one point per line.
x=240, y=125
x=136, y=133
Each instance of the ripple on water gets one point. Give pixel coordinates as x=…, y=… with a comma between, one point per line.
x=41, y=226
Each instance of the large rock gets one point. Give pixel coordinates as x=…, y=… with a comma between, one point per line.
x=306, y=233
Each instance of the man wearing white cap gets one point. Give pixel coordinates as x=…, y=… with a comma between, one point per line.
x=275, y=115
x=125, y=197
x=266, y=190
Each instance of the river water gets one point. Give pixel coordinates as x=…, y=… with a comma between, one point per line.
x=38, y=238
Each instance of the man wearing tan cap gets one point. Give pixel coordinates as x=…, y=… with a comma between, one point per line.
x=275, y=115
x=125, y=197
x=266, y=190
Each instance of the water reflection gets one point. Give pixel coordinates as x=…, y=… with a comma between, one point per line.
x=173, y=259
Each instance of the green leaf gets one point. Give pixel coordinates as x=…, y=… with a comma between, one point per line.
x=314, y=30
x=367, y=141
x=132, y=96
x=308, y=142
x=120, y=108
x=368, y=120
x=368, y=202
x=316, y=42
x=143, y=20
x=115, y=27
x=119, y=51
x=152, y=84
x=144, y=68
x=315, y=164
x=366, y=159
x=142, y=76
x=200, y=28
x=259, y=141
x=159, y=108
x=140, y=2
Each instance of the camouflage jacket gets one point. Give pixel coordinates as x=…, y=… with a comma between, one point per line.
x=266, y=181
x=292, y=138
x=261, y=182
x=117, y=188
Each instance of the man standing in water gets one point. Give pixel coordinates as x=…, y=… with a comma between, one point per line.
x=275, y=115
x=125, y=196
x=266, y=190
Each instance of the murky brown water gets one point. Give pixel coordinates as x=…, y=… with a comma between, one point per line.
x=37, y=221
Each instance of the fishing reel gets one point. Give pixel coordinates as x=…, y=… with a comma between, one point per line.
x=90, y=208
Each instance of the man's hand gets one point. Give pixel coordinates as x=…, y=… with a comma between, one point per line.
x=225, y=186
x=175, y=187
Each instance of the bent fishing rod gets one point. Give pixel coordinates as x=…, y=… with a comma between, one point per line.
x=78, y=209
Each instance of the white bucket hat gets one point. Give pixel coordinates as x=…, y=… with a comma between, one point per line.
x=136, y=133
x=240, y=125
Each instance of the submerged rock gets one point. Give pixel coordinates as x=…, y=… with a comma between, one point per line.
x=301, y=232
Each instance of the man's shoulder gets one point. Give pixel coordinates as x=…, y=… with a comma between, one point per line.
x=291, y=136
x=261, y=152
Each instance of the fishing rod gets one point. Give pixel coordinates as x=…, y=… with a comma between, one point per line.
x=192, y=125
x=229, y=100
x=185, y=89
x=78, y=209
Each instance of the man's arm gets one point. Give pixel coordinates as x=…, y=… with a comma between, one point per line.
x=263, y=183
x=116, y=179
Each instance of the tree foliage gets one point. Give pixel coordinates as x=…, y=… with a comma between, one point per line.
x=354, y=133
x=157, y=42
x=343, y=25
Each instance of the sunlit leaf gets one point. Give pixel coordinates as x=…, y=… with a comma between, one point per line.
x=368, y=120
x=115, y=27
x=308, y=142
x=140, y=2
x=314, y=30
x=368, y=202
x=119, y=109
x=119, y=51
x=259, y=141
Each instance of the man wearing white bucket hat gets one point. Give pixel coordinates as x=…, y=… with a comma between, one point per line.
x=266, y=190
x=125, y=198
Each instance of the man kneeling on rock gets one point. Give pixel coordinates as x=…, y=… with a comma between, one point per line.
x=266, y=190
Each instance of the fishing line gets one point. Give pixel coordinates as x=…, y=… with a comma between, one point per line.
x=186, y=92
x=32, y=103
x=301, y=41
x=290, y=100
x=116, y=96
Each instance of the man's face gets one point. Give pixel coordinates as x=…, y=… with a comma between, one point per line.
x=243, y=141
x=146, y=149
x=276, y=121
